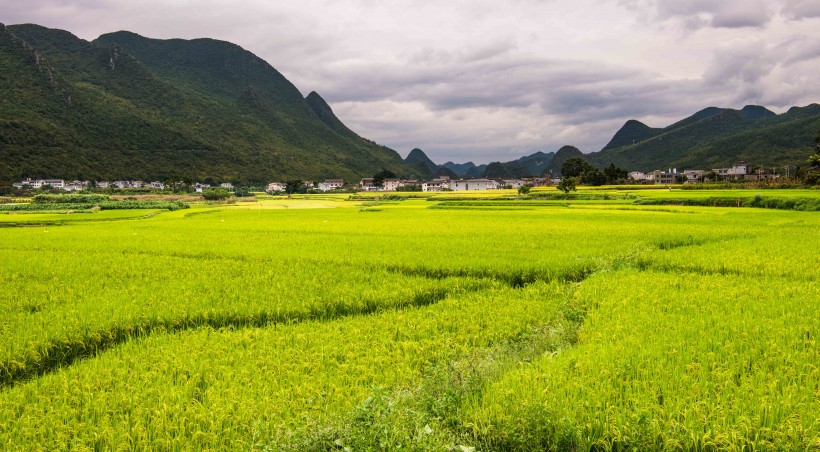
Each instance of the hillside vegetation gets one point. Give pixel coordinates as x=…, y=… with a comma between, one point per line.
x=715, y=137
x=126, y=106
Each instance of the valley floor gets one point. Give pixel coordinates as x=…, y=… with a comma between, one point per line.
x=441, y=322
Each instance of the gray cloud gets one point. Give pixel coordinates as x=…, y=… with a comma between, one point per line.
x=484, y=80
x=800, y=9
x=696, y=14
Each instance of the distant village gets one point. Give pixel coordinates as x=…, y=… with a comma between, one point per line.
x=739, y=172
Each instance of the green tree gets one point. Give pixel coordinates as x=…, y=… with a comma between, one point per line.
x=593, y=176
x=813, y=172
x=567, y=184
x=378, y=178
x=497, y=170
x=216, y=194
x=524, y=189
x=575, y=166
x=295, y=186
x=615, y=174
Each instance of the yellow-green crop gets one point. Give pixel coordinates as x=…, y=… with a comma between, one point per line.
x=427, y=323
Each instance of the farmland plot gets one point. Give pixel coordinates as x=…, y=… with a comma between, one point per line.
x=386, y=325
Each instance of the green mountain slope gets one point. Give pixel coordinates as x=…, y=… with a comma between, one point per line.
x=460, y=169
x=632, y=132
x=563, y=154
x=325, y=114
x=417, y=156
x=133, y=107
x=717, y=137
x=534, y=164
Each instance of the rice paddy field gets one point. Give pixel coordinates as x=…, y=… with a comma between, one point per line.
x=448, y=321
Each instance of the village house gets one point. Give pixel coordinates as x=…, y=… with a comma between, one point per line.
x=442, y=183
x=473, y=184
x=513, y=183
x=76, y=185
x=392, y=184
x=367, y=184
x=659, y=177
x=335, y=184
x=227, y=185
x=329, y=184
x=694, y=176
x=738, y=171
x=535, y=181
x=275, y=186
x=40, y=183
x=637, y=176
x=53, y=183
x=128, y=183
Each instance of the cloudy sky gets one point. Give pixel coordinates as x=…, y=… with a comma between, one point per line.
x=487, y=80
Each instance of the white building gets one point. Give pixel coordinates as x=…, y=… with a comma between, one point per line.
x=335, y=183
x=227, y=185
x=442, y=183
x=473, y=184
x=275, y=186
x=330, y=184
x=735, y=172
x=693, y=176
x=39, y=183
x=637, y=176
x=76, y=185
x=128, y=183
x=392, y=184
x=513, y=183
x=367, y=184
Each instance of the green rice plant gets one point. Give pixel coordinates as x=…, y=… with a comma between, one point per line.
x=272, y=387
x=669, y=360
x=309, y=324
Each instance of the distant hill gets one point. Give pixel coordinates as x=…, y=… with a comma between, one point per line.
x=563, y=154
x=126, y=106
x=632, y=132
x=417, y=156
x=529, y=165
x=459, y=168
x=715, y=137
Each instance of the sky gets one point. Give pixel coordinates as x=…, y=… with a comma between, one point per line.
x=489, y=80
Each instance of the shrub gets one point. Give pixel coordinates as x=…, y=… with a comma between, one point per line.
x=216, y=194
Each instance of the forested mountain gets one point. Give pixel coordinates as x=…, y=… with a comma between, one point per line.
x=126, y=106
x=459, y=168
x=563, y=154
x=632, y=132
x=715, y=137
x=417, y=156
x=532, y=165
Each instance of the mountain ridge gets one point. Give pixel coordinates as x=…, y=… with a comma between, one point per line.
x=715, y=137
x=151, y=109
